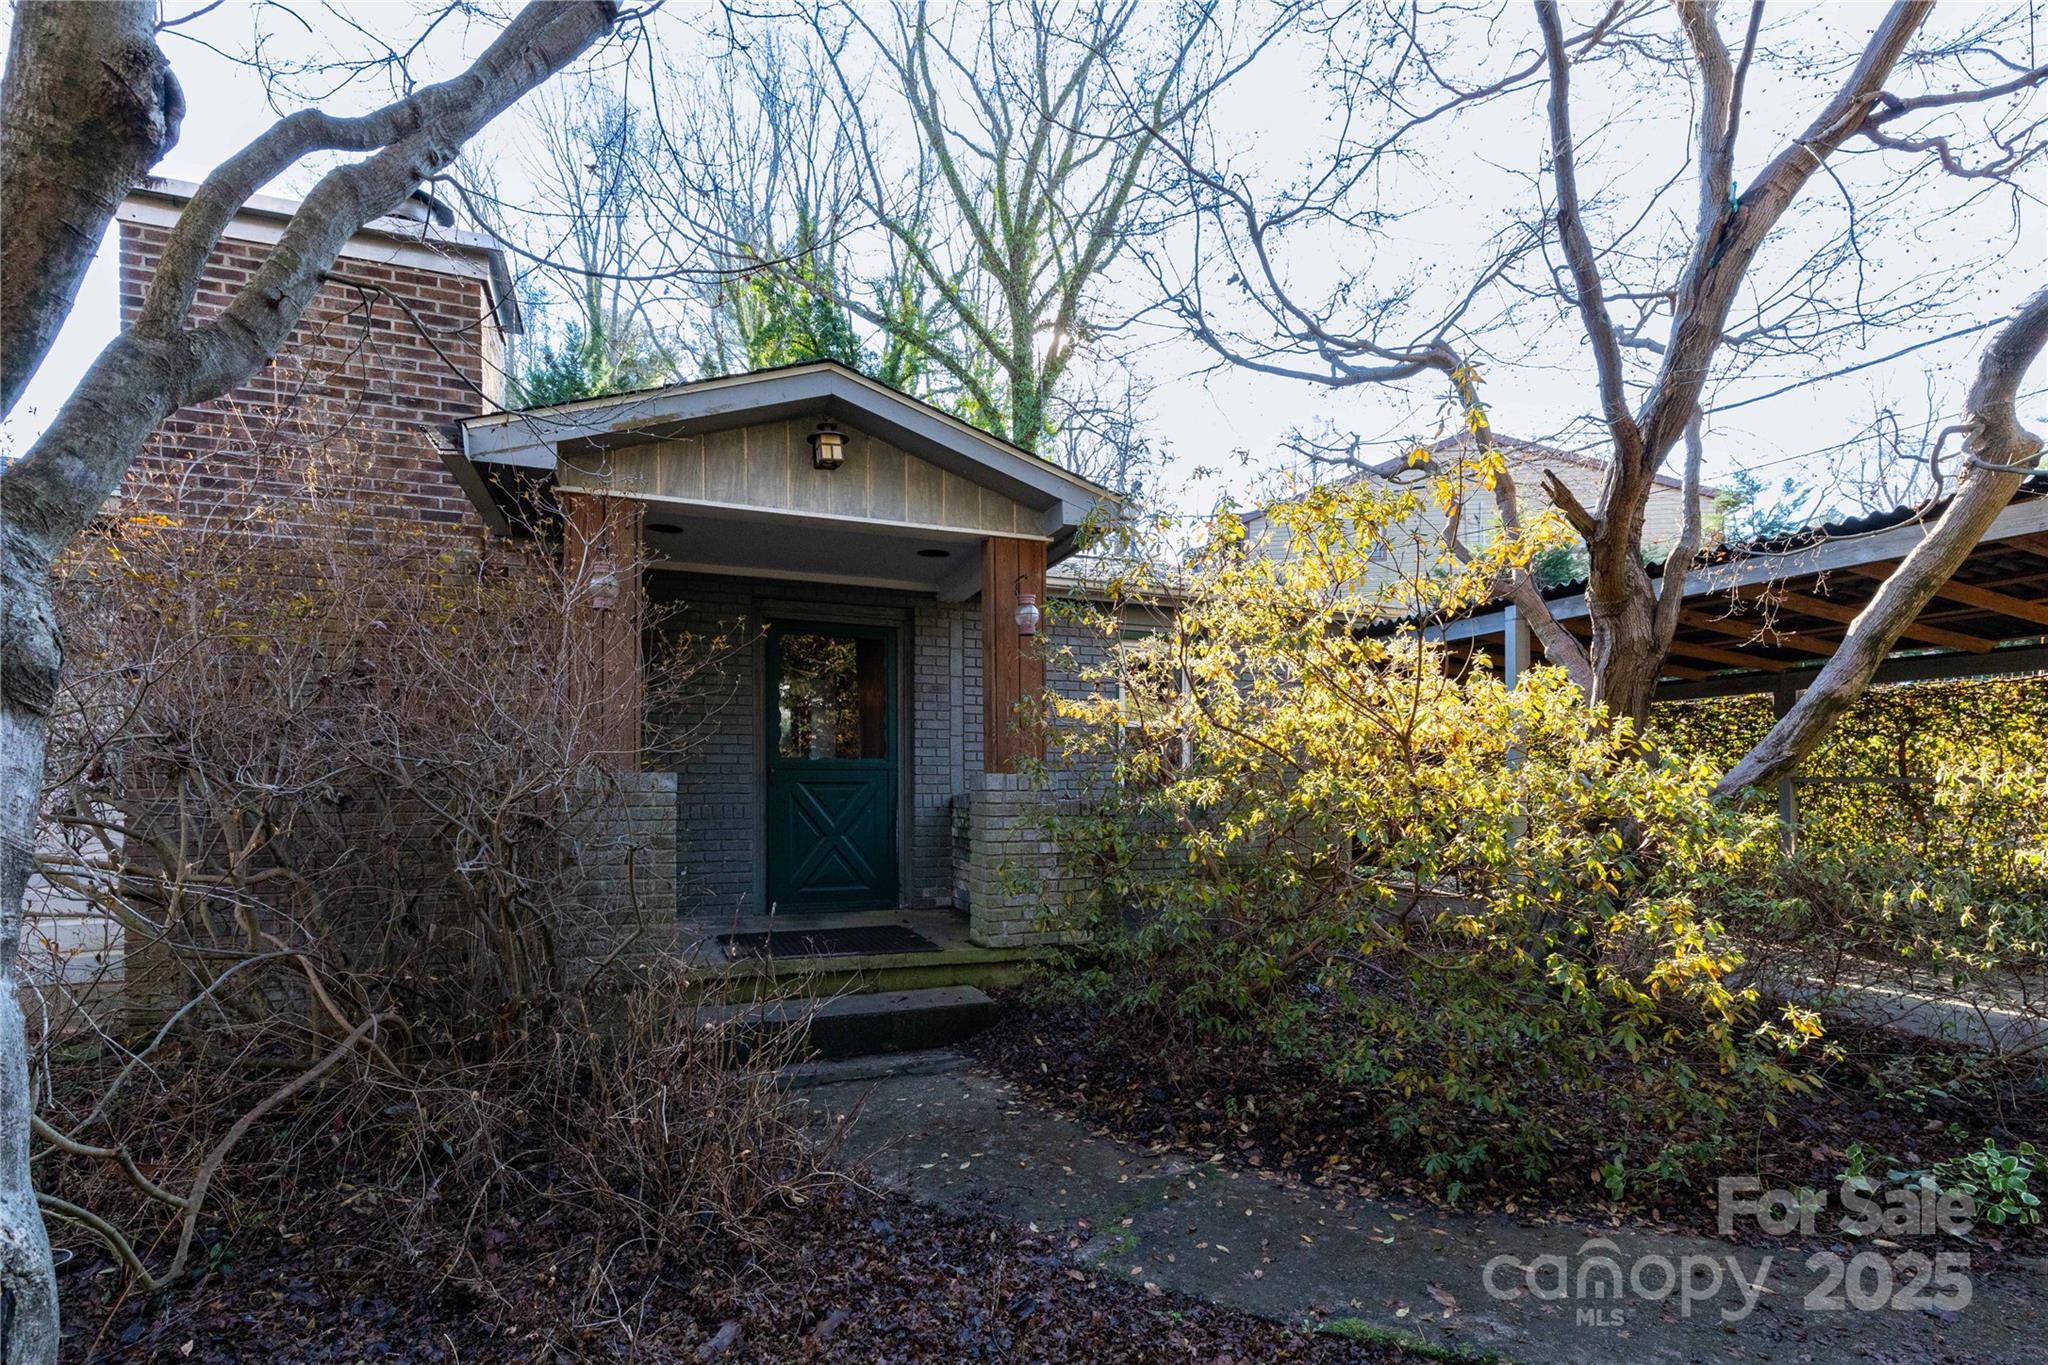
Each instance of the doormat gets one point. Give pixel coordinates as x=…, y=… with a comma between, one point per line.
x=853, y=941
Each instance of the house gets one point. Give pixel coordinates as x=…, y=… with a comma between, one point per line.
x=887, y=564
x=890, y=562
x=1415, y=547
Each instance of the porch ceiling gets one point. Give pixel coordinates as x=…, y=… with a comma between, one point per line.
x=693, y=540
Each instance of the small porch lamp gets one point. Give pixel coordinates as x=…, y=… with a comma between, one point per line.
x=1027, y=614
x=828, y=447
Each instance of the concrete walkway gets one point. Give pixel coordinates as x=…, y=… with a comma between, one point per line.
x=945, y=1132
x=2005, y=1014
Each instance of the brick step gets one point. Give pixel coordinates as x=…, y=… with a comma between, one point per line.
x=874, y=1023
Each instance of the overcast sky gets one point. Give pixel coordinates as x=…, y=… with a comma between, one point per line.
x=1977, y=254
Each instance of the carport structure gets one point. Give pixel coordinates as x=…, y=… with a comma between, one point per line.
x=1765, y=616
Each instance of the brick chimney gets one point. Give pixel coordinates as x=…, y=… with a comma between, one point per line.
x=407, y=338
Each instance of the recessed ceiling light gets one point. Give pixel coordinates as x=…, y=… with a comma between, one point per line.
x=934, y=554
x=664, y=528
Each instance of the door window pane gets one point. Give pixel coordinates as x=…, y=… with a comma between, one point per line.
x=831, y=697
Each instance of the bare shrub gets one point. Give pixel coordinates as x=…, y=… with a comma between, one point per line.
x=298, y=729
x=651, y=1125
x=336, y=778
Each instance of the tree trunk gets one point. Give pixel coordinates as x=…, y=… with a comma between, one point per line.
x=29, y=659
x=1630, y=634
x=28, y=679
x=1621, y=606
x=88, y=105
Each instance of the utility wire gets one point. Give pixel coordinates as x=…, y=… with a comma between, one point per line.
x=1859, y=365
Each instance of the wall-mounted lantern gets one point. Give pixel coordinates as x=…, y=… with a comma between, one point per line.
x=1027, y=615
x=828, y=447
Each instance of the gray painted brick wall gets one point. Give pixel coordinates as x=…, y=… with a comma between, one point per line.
x=1014, y=878
x=627, y=891
x=713, y=741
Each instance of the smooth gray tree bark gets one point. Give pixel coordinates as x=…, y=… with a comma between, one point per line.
x=89, y=104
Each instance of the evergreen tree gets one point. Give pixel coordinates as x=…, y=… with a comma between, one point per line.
x=603, y=352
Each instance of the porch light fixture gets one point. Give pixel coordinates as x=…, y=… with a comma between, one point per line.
x=1027, y=614
x=828, y=447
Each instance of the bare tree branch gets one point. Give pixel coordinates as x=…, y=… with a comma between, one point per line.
x=1578, y=247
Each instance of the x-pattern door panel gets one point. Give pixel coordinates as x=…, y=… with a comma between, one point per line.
x=831, y=702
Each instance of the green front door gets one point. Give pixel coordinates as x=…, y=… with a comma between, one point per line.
x=831, y=767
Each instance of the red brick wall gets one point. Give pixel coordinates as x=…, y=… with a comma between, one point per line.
x=358, y=376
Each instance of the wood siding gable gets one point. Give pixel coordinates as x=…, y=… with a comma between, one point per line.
x=767, y=468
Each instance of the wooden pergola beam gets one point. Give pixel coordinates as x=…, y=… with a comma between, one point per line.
x=1999, y=663
x=1707, y=653
x=1741, y=630
x=1838, y=611
x=1670, y=670
x=1714, y=655
x=2004, y=604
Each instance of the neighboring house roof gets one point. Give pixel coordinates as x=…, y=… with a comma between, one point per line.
x=1106, y=576
x=1517, y=451
x=1548, y=454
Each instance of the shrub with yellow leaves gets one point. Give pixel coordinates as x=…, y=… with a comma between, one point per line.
x=1476, y=905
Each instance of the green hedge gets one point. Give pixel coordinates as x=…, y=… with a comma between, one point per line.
x=1953, y=864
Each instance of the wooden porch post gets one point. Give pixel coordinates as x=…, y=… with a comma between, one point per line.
x=601, y=556
x=1012, y=664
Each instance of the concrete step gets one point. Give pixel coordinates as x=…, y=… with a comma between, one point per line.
x=958, y=961
x=879, y=1022
x=888, y=974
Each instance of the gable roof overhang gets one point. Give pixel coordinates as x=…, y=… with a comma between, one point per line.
x=536, y=441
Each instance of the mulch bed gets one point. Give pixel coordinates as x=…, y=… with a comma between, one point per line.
x=856, y=1276
x=1279, y=1114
